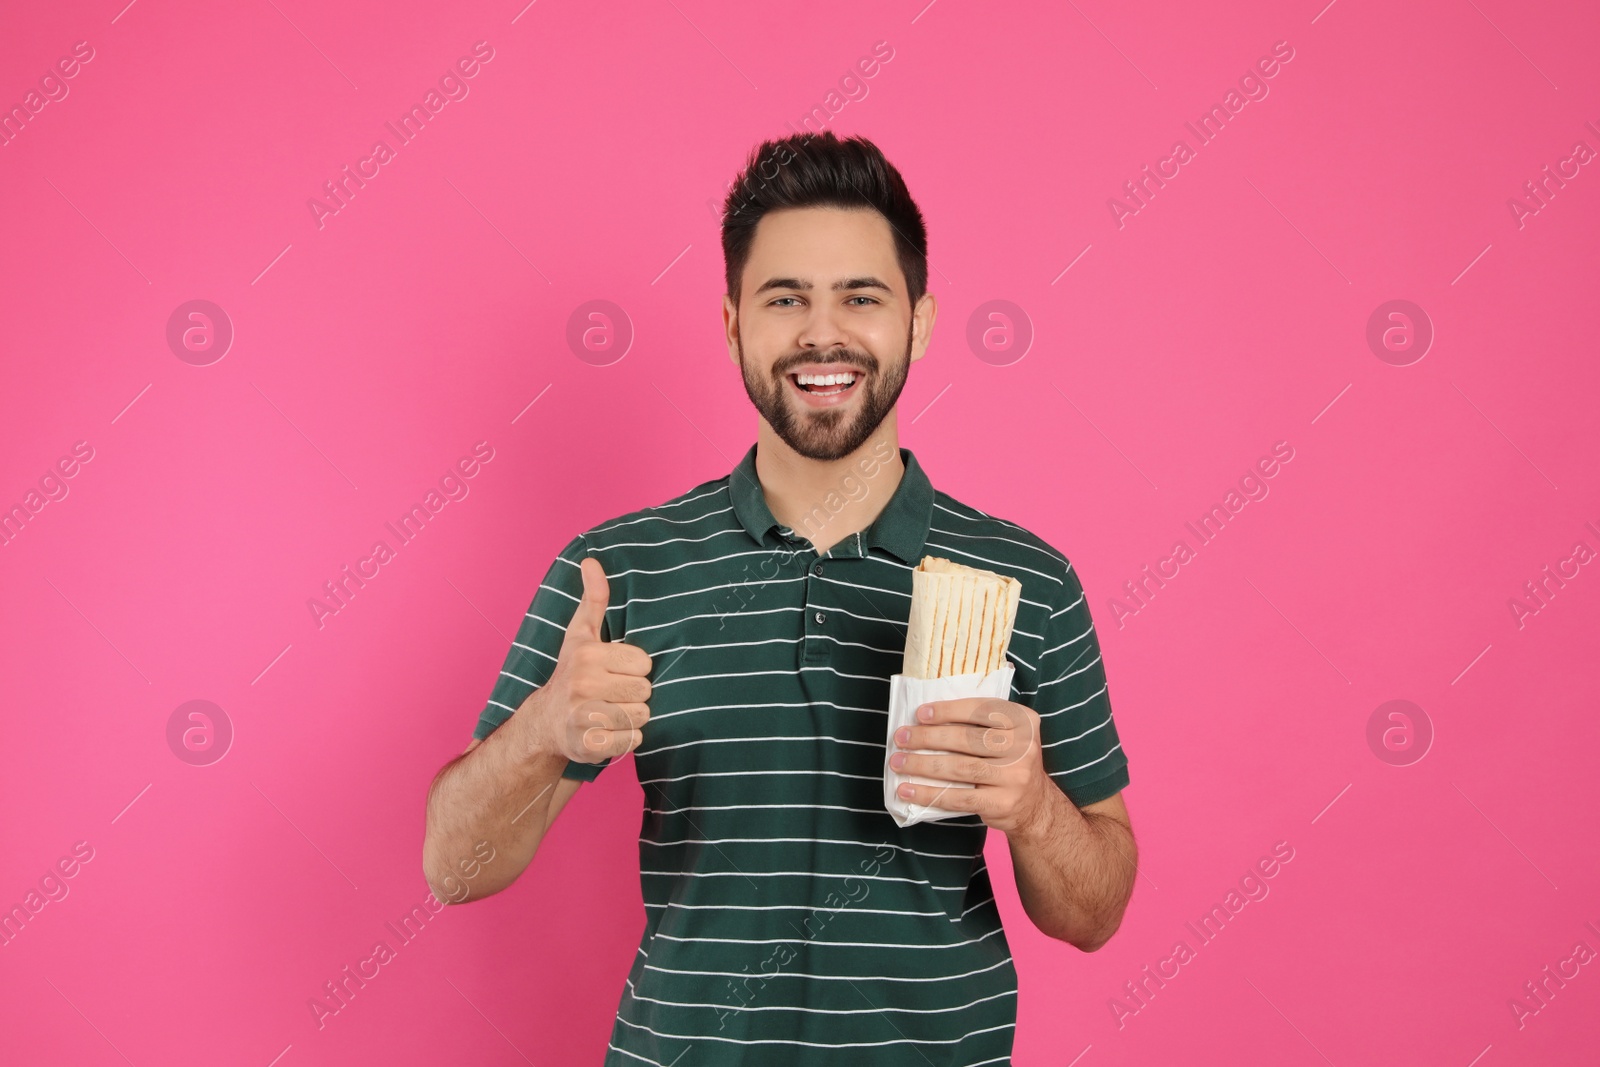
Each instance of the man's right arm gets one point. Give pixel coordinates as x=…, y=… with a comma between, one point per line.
x=489, y=808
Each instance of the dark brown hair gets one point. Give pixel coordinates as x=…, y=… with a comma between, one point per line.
x=811, y=170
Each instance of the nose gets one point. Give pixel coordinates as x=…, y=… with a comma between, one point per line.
x=822, y=329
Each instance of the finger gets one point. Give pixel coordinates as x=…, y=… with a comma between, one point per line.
x=609, y=730
x=591, y=609
x=944, y=767
x=598, y=743
x=619, y=716
x=939, y=796
x=962, y=737
x=623, y=658
x=997, y=746
x=989, y=713
x=961, y=709
x=611, y=715
x=638, y=713
x=619, y=688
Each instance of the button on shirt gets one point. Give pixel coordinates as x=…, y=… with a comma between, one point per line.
x=788, y=919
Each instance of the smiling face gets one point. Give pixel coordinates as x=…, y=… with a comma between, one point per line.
x=825, y=333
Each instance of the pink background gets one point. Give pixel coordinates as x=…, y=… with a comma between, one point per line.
x=585, y=163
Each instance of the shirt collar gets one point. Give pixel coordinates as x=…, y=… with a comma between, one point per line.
x=901, y=528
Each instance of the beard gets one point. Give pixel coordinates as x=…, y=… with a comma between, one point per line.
x=834, y=432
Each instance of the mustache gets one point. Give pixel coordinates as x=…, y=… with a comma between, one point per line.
x=866, y=364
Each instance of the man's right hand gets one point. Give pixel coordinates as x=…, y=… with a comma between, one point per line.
x=593, y=705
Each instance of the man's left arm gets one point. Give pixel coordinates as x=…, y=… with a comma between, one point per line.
x=1075, y=867
x=1049, y=770
x=1076, y=859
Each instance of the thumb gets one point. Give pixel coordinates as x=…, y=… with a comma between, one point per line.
x=591, y=610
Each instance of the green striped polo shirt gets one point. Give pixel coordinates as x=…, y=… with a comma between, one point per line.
x=788, y=919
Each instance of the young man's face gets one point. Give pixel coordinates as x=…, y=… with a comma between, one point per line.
x=823, y=293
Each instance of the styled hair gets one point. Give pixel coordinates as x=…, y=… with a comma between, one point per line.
x=814, y=170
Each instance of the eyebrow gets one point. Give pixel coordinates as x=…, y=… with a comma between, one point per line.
x=844, y=284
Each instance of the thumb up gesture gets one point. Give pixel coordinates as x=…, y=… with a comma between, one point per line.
x=593, y=706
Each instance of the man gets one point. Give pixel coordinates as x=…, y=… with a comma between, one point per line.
x=754, y=623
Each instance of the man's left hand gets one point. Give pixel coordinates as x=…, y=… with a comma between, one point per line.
x=991, y=743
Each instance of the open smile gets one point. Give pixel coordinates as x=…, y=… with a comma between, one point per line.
x=825, y=386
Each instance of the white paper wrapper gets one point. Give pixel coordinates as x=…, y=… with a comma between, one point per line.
x=906, y=695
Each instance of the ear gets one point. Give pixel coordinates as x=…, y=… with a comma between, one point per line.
x=730, y=328
x=922, y=317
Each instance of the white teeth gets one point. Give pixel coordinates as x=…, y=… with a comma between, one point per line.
x=825, y=379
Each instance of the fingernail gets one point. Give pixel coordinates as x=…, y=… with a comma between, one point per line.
x=897, y=760
x=925, y=713
x=907, y=790
x=903, y=735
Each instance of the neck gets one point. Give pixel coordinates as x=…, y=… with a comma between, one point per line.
x=826, y=501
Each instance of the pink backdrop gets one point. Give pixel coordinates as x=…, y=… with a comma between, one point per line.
x=1146, y=357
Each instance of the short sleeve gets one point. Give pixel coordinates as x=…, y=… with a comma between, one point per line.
x=1082, y=752
x=538, y=642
